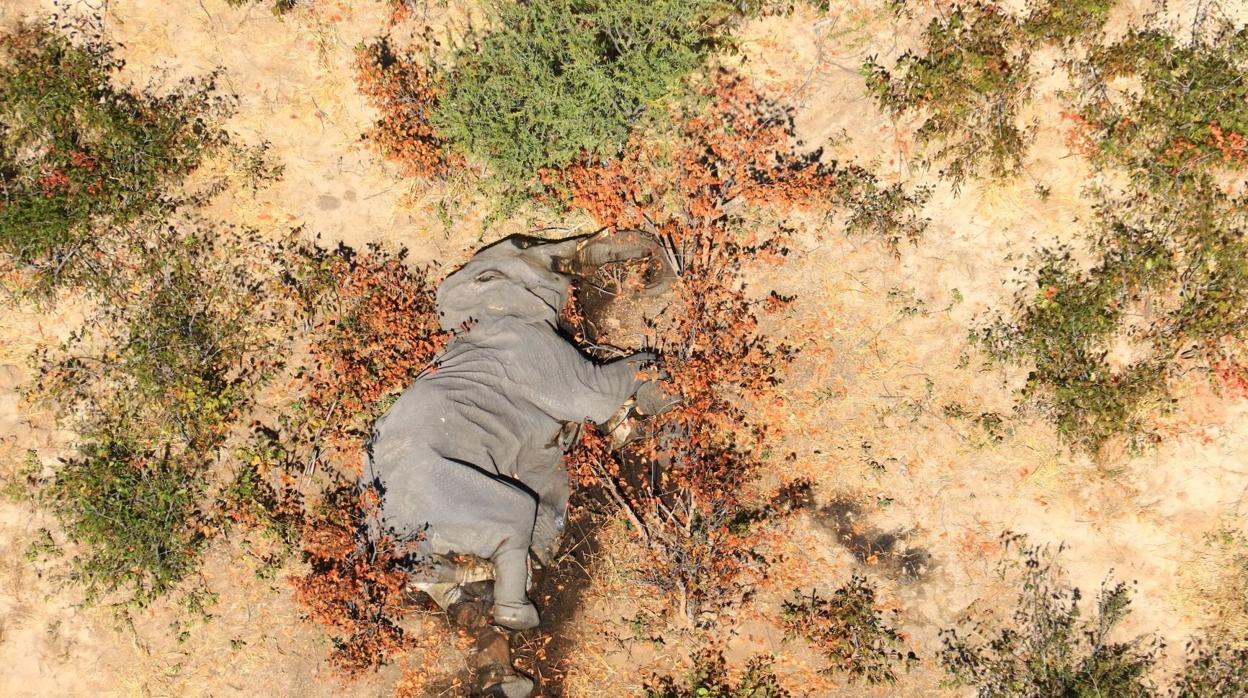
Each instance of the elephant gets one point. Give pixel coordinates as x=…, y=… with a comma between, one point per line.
x=468, y=459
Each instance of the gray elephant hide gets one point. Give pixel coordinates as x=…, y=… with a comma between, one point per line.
x=467, y=459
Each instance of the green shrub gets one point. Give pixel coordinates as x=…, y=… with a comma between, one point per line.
x=1064, y=20
x=970, y=81
x=564, y=79
x=253, y=503
x=850, y=631
x=184, y=334
x=80, y=156
x=709, y=679
x=132, y=512
x=1065, y=322
x=182, y=337
x=1168, y=249
x=972, y=77
x=889, y=213
x=1179, y=261
x=1049, y=648
x=1188, y=117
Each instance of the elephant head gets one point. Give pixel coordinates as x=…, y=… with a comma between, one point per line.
x=527, y=278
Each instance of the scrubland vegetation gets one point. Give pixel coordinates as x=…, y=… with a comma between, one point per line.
x=225, y=379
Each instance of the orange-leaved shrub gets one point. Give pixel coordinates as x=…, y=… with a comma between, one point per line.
x=741, y=148
x=689, y=484
x=355, y=584
x=375, y=328
x=403, y=89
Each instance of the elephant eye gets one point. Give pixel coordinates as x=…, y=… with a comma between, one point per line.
x=489, y=276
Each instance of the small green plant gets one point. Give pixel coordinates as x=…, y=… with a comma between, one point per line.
x=1049, y=648
x=252, y=502
x=888, y=214
x=80, y=157
x=709, y=679
x=43, y=547
x=850, y=631
x=557, y=81
x=132, y=513
x=21, y=481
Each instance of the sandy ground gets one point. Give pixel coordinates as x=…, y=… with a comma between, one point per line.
x=884, y=350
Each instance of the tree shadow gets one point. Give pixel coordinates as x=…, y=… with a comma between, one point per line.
x=886, y=551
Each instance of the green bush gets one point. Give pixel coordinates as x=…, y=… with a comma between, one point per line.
x=132, y=512
x=79, y=155
x=1189, y=116
x=1180, y=261
x=182, y=337
x=1065, y=322
x=850, y=631
x=709, y=679
x=564, y=79
x=889, y=213
x=1049, y=648
x=185, y=332
x=1064, y=20
x=970, y=81
x=1169, y=248
x=972, y=77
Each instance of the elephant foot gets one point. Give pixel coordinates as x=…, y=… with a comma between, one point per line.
x=512, y=608
x=516, y=616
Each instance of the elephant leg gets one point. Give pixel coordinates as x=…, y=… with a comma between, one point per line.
x=512, y=608
x=546, y=533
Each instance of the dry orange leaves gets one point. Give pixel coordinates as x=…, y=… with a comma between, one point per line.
x=354, y=587
x=401, y=87
x=688, y=485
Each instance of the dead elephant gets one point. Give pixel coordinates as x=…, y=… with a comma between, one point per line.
x=468, y=459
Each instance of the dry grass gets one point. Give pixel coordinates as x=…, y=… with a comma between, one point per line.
x=1214, y=579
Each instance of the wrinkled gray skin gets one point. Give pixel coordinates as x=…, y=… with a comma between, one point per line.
x=467, y=458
